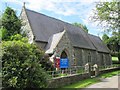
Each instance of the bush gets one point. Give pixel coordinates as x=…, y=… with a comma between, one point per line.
x=18, y=37
x=119, y=56
x=20, y=66
x=3, y=33
x=47, y=64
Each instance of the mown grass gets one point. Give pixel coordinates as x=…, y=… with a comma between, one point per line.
x=87, y=82
x=83, y=83
x=110, y=74
x=114, y=58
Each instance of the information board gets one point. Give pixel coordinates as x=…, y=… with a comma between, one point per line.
x=64, y=63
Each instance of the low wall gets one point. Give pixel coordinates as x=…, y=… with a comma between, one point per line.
x=67, y=80
x=62, y=81
x=109, y=70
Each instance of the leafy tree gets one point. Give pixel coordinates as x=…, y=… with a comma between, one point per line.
x=21, y=66
x=0, y=20
x=47, y=64
x=112, y=42
x=105, y=38
x=108, y=14
x=83, y=27
x=11, y=22
x=18, y=37
x=119, y=55
x=3, y=33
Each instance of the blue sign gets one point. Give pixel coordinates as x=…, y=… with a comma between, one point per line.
x=64, y=63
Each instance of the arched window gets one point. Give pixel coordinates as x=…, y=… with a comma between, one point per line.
x=63, y=54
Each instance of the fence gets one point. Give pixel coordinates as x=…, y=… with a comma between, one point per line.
x=67, y=72
x=76, y=70
x=108, y=67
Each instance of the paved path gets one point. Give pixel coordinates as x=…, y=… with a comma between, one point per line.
x=111, y=82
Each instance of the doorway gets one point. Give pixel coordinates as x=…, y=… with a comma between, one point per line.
x=63, y=54
x=64, y=58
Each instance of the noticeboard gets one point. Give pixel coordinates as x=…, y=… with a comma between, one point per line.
x=64, y=63
x=57, y=62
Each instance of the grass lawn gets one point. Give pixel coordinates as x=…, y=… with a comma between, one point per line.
x=110, y=74
x=83, y=83
x=87, y=82
x=114, y=58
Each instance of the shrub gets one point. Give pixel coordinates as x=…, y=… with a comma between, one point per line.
x=20, y=66
x=119, y=56
x=3, y=33
x=18, y=37
x=47, y=64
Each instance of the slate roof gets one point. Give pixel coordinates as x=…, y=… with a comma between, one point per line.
x=98, y=43
x=44, y=27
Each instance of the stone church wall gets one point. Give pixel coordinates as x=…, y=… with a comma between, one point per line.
x=84, y=56
x=26, y=26
x=104, y=59
x=65, y=45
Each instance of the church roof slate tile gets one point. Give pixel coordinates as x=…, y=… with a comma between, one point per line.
x=44, y=27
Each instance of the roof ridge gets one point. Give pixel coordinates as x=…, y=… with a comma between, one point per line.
x=93, y=35
x=54, y=18
x=44, y=26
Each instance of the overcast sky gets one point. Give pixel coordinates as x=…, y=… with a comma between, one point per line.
x=66, y=10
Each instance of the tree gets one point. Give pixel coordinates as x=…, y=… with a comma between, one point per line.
x=119, y=55
x=3, y=33
x=45, y=62
x=11, y=22
x=18, y=37
x=0, y=20
x=112, y=42
x=105, y=38
x=83, y=27
x=21, y=66
x=108, y=14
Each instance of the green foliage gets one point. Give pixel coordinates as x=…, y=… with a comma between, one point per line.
x=109, y=74
x=119, y=56
x=83, y=27
x=113, y=42
x=11, y=22
x=105, y=38
x=18, y=37
x=21, y=67
x=0, y=20
x=107, y=13
x=47, y=64
x=3, y=33
x=83, y=83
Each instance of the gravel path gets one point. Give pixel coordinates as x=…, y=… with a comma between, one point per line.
x=112, y=82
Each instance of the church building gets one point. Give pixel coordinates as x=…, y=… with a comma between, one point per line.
x=61, y=39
